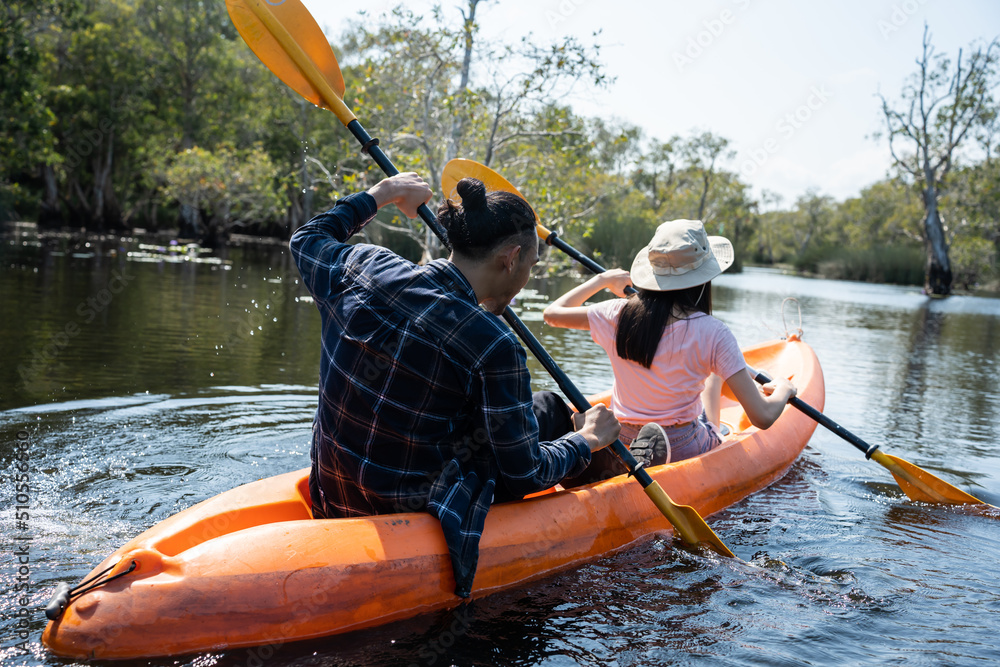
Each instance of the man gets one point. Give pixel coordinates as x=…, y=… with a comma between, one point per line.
x=425, y=400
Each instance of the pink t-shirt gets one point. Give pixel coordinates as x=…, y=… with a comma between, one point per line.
x=670, y=391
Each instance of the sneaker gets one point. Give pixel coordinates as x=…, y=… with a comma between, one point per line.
x=651, y=446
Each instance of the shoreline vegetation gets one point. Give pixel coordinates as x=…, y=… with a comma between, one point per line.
x=132, y=115
x=25, y=237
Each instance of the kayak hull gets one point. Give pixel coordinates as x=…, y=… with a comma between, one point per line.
x=250, y=567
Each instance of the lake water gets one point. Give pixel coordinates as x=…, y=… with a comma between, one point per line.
x=146, y=386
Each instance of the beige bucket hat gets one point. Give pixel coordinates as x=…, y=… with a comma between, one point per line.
x=681, y=255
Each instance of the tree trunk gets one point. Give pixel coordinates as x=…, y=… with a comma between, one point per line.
x=49, y=214
x=190, y=221
x=457, y=124
x=706, y=182
x=938, y=277
x=107, y=213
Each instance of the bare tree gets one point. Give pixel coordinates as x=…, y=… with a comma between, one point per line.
x=940, y=107
x=702, y=153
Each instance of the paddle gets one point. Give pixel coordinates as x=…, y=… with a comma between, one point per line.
x=915, y=482
x=306, y=63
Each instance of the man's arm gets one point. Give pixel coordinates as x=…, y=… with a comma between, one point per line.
x=509, y=428
x=319, y=247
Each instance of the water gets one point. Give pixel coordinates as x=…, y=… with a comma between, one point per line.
x=145, y=391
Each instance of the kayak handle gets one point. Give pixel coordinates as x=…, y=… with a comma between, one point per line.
x=59, y=601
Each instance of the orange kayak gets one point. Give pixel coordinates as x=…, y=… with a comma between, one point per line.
x=251, y=567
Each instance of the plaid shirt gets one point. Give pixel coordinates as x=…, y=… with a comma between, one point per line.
x=424, y=397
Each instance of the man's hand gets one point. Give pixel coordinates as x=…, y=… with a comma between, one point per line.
x=598, y=425
x=407, y=191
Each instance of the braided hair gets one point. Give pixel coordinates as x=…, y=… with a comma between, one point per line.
x=484, y=221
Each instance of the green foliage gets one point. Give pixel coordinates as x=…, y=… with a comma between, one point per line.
x=26, y=137
x=899, y=265
x=127, y=113
x=975, y=262
x=227, y=186
x=621, y=226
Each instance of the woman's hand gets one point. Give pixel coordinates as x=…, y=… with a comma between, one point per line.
x=615, y=280
x=568, y=310
x=780, y=390
x=764, y=405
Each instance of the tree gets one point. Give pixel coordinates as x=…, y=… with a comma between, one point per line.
x=656, y=173
x=434, y=91
x=939, y=109
x=100, y=101
x=736, y=215
x=26, y=138
x=226, y=187
x=815, y=214
x=701, y=153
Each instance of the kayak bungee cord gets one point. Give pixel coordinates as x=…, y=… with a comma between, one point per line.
x=64, y=594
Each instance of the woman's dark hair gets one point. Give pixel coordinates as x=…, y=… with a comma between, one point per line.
x=647, y=313
x=483, y=221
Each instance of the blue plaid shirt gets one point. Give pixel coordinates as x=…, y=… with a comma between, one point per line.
x=424, y=397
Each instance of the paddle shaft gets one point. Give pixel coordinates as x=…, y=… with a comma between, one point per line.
x=578, y=400
x=370, y=146
x=763, y=378
x=553, y=239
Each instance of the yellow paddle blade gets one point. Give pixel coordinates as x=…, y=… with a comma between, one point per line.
x=920, y=485
x=286, y=38
x=460, y=168
x=686, y=521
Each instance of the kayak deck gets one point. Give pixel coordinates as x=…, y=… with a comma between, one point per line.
x=250, y=566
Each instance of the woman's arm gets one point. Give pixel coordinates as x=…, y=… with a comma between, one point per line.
x=568, y=310
x=763, y=406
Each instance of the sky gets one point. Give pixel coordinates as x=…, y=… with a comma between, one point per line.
x=792, y=85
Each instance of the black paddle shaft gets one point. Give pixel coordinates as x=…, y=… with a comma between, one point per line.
x=554, y=240
x=763, y=378
x=370, y=145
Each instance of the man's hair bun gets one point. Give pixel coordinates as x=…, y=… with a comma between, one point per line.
x=473, y=194
x=483, y=221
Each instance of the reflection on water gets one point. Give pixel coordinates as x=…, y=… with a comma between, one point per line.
x=147, y=387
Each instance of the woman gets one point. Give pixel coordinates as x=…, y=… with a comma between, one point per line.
x=667, y=351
